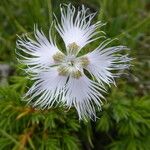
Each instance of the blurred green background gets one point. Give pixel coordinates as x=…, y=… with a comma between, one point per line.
x=124, y=123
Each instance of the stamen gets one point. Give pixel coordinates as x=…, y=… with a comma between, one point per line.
x=73, y=49
x=84, y=61
x=63, y=71
x=76, y=74
x=58, y=57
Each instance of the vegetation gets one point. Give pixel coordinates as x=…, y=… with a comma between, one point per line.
x=124, y=122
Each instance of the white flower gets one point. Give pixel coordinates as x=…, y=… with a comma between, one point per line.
x=66, y=78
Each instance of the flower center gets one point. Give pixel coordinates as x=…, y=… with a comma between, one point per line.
x=70, y=64
x=70, y=60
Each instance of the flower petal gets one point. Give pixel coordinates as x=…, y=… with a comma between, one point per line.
x=76, y=26
x=103, y=60
x=84, y=94
x=36, y=54
x=49, y=87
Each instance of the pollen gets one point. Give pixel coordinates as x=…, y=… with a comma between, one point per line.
x=63, y=71
x=84, y=62
x=76, y=74
x=73, y=48
x=58, y=57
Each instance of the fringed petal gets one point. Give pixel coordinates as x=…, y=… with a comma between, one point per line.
x=84, y=94
x=105, y=63
x=76, y=27
x=47, y=90
x=36, y=54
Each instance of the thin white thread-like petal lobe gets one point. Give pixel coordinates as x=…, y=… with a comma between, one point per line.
x=84, y=94
x=36, y=54
x=103, y=61
x=49, y=88
x=76, y=26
